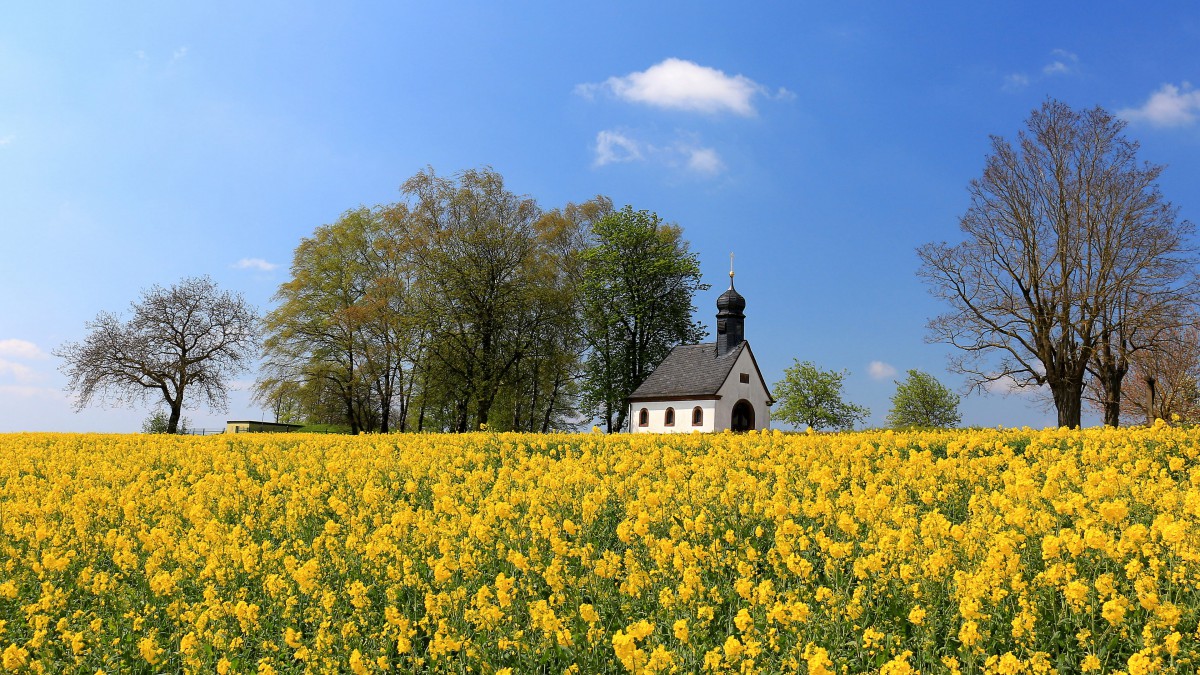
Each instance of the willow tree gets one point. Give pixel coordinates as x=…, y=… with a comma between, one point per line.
x=1065, y=233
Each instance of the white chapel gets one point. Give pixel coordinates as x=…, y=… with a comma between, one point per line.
x=706, y=387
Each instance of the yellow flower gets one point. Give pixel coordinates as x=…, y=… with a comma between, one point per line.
x=743, y=620
x=1113, y=610
x=681, y=630
x=968, y=634
x=732, y=647
x=588, y=613
x=14, y=657
x=149, y=649
x=916, y=615
x=291, y=637
x=818, y=660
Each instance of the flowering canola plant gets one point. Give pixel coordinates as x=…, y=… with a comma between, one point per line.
x=987, y=551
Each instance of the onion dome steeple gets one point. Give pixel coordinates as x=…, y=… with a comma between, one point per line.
x=731, y=322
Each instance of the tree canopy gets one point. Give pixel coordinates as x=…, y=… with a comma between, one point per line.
x=921, y=401
x=809, y=396
x=639, y=280
x=454, y=308
x=187, y=340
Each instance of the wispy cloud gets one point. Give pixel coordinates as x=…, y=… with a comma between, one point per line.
x=255, y=264
x=20, y=349
x=1007, y=385
x=880, y=371
x=5, y=140
x=684, y=85
x=615, y=147
x=1062, y=62
x=18, y=372
x=1170, y=106
x=1015, y=82
x=179, y=53
x=703, y=160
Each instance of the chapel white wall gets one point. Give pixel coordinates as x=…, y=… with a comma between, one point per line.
x=735, y=390
x=683, y=416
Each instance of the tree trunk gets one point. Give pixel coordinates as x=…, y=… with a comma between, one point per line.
x=1150, y=411
x=550, y=404
x=1068, y=395
x=348, y=399
x=461, y=424
x=176, y=411
x=1112, y=402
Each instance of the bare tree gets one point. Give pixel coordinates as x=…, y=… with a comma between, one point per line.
x=1163, y=382
x=1063, y=232
x=1143, y=331
x=186, y=339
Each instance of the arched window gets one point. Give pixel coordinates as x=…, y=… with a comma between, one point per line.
x=669, y=417
x=697, y=416
x=643, y=418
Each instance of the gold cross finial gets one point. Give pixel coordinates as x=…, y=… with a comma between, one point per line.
x=731, y=267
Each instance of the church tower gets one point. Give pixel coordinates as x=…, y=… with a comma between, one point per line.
x=706, y=387
x=731, y=321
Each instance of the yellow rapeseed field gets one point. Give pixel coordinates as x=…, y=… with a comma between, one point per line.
x=993, y=551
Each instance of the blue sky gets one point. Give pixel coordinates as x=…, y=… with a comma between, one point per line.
x=820, y=142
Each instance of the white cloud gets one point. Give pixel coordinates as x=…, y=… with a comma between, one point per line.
x=20, y=373
x=25, y=391
x=684, y=85
x=1170, y=106
x=704, y=160
x=179, y=53
x=141, y=54
x=1062, y=62
x=255, y=264
x=614, y=146
x=1015, y=82
x=880, y=370
x=5, y=140
x=20, y=349
x=1007, y=384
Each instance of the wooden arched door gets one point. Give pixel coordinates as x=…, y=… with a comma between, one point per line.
x=743, y=416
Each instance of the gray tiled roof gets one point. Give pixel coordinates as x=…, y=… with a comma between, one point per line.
x=688, y=371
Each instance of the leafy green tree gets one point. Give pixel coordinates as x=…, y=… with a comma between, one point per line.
x=922, y=401
x=338, y=339
x=158, y=421
x=639, y=278
x=810, y=396
x=494, y=289
x=453, y=308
